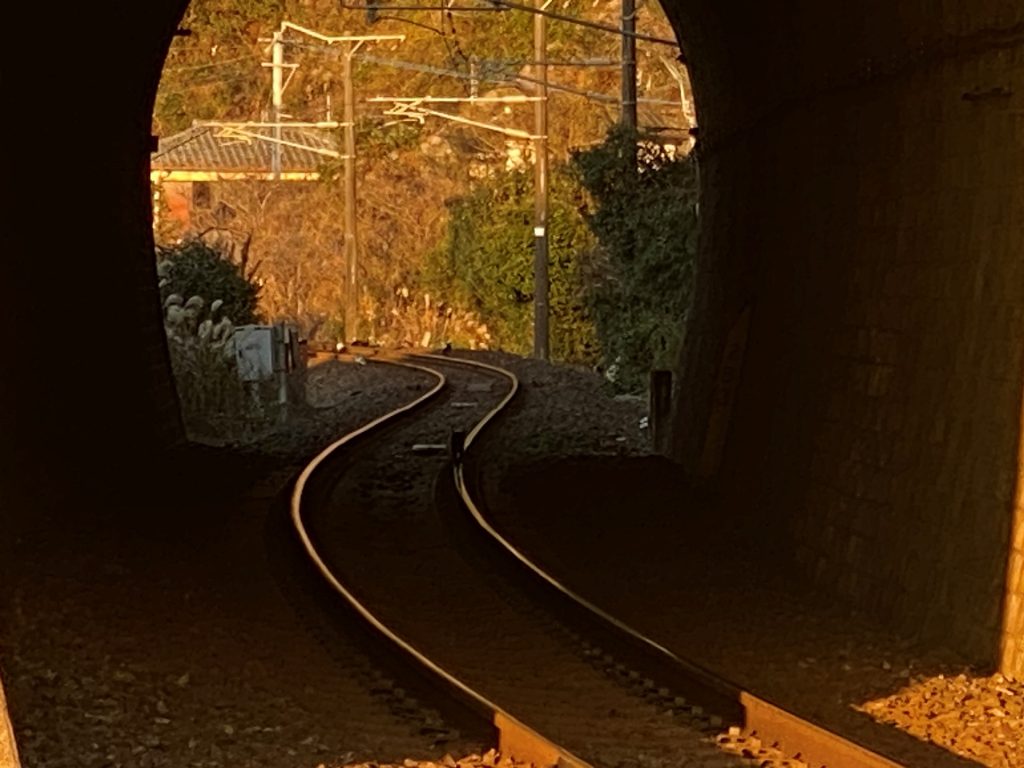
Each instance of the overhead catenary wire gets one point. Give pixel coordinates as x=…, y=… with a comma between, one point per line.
x=568, y=63
x=586, y=23
x=508, y=80
x=214, y=81
x=503, y=80
x=502, y=63
x=453, y=99
x=211, y=64
x=592, y=95
x=427, y=69
x=439, y=7
x=509, y=4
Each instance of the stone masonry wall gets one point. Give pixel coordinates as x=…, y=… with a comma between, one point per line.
x=1012, y=651
x=910, y=383
x=872, y=215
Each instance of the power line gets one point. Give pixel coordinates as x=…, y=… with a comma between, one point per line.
x=628, y=110
x=585, y=23
x=592, y=95
x=225, y=62
x=508, y=80
x=568, y=63
x=386, y=6
x=214, y=81
x=500, y=5
x=429, y=70
x=181, y=49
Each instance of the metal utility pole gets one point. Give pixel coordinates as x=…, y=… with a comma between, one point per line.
x=351, y=43
x=628, y=116
x=277, y=62
x=540, y=181
x=351, y=243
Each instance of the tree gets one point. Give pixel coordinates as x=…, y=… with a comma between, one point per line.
x=485, y=263
x=640, y=279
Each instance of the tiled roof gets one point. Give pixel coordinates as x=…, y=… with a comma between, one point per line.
x=241, y=150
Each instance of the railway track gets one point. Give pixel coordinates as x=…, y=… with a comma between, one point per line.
x=389, y=522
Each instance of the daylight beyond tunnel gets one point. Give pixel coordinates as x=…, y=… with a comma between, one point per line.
x=852, y=376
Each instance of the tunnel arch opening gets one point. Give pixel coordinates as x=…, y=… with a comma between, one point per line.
x=433, y=204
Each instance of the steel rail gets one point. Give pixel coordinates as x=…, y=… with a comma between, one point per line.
x=816, y=745
x=514, y=738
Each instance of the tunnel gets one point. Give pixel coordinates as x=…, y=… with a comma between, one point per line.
x=852, y=379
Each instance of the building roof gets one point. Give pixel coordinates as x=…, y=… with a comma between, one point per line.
x=242, y=151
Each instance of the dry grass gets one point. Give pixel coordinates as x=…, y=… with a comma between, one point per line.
x=216, y=404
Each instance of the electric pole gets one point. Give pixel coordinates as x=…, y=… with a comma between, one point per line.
x=540, y=189
x=277, y=63
x=351, y=43
x=628, y=116
x=351, y=243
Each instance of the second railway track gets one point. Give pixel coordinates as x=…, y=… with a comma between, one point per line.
x=380, y=515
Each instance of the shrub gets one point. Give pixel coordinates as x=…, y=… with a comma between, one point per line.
x=640, y=278
x=194, y=268
x=485, y=263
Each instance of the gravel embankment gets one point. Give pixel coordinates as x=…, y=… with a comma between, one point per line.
x=979, y=717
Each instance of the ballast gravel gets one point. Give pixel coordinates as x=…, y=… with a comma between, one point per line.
x=155, y=637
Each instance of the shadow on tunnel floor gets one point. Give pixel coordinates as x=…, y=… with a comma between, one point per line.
x=148, y=628
x=692, y=582
x=623, y=533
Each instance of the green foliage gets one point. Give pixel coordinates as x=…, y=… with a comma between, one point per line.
x=194, y=268
x=644, y=215
x=215, y=72
x=485, y=263
x=376, y=140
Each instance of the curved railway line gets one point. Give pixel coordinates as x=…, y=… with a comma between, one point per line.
x=388, y=518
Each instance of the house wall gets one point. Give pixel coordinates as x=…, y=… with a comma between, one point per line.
x=173, y=201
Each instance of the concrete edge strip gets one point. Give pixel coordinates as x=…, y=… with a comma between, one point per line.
x=815, y=744
x=515, y=738
x=8, y=747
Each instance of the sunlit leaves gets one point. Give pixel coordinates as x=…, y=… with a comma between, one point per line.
x=486, y=262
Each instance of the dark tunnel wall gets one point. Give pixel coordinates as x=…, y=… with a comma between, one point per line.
x=88, y=400
x=862, y=165
x=863, y=168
